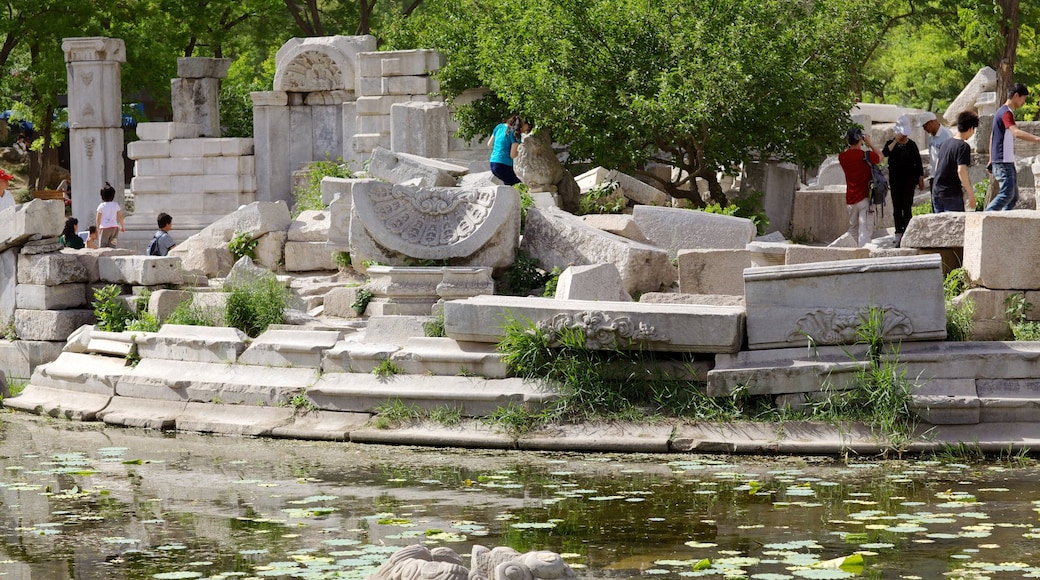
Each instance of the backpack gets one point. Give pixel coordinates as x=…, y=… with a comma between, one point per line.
x=878, y=183
x=153, y=248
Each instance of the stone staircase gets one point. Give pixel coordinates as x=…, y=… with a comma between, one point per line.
x=317, y=383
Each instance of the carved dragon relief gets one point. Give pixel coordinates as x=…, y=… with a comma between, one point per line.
x=838, y=325
x=601, y=331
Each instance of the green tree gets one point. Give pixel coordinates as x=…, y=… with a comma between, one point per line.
x=698, y=85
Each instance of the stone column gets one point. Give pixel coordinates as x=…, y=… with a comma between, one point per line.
x=195, y=96
x=95, y=120
x=271, y=145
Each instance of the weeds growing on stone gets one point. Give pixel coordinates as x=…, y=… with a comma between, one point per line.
x=191, y=314
x=361, y=300
x=243, y=244
x=959, y=313
x=434, y=327
x=516, y=420
x=604, y=198
x=111, y=312
x=396, y=412
x=386, y=368
x=253, y=307
x=447, y=415
x=523, y=276
x=1016, y=309
x=308, y=196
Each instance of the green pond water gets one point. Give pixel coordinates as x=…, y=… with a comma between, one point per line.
x=84, y=501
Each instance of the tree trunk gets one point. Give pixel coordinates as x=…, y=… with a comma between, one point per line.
x=1009, y=32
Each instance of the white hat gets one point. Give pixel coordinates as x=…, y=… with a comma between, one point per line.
x=903, y=125
x=925, y=117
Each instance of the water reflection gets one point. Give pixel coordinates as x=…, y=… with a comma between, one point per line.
x=80, y=501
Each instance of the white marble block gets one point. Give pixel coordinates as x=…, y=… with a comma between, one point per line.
x=141, y=270
x=827, y=301
x=675, y=229
x=1002, y=249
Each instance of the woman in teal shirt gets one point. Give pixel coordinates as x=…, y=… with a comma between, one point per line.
x=505, y=142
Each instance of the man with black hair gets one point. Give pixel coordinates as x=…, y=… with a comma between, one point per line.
x=854, y=162
x=1002, y=148
x=951, y=188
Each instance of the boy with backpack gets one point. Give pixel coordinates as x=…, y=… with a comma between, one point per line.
x=162, y=243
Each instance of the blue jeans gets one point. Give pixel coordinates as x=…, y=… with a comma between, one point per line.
x=1007, y=176
x=941, y=204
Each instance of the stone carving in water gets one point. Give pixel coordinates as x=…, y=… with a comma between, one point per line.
x=838, y=325
x=416, y=562
x=601, y=331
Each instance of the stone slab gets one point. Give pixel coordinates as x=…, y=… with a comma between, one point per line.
x=310, y=226
x=713, y=271
x=591, y=282
x=827, y=301
x=229, y=384
x=987, y=261
x=141, y=270
x=19, y=358
x=142, y=413
x=772, y=438
x=356, y=356
x=53, y=402
x=322, y=426
x=935, y=230
x=232, y=419
x=469, y=435
x=289, y=348
x=51, y=325
x=193, y=344
x=308, y=257
x=799, y=254
x=675, y=229
x=39, y=297
x=81, y=373
x=363, y=392
x=33, y=220
x=662, y=327
x=447, y=357
x=592, y=438
x=555, y=238
x=52, y=269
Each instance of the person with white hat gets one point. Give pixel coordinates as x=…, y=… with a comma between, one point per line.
x=905, y=173
x=937, y=135
x=6, y=197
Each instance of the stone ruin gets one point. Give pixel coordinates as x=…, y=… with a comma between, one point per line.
x=427, y=232
x=417, y=562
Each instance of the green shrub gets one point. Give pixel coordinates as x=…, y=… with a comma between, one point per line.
x=386, y=368
x=604, y=198
x=361, y=300
x=750, y=206
x=435, y=326
x=526, y=203
x=523, y=276
x=551, y=280
x=980, y=189
x=111, y=312
x=253, y=307
x=1016, y=309
x=243, y=244
x=191, y=314
x=308, y=196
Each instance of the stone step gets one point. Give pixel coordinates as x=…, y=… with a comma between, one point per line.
x=290, y=348
x=363, y=392
x=81, y=373
x=418, y=356
x=207, y=344
x=229, y=384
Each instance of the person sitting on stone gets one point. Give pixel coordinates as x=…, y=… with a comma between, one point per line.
x=69, y=236
x=90, y=238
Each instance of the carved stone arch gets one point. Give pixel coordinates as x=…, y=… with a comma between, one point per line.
x=307, y=65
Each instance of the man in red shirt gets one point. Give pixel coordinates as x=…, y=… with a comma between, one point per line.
x=857, y=184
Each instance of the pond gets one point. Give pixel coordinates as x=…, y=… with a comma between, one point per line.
x=83, y=501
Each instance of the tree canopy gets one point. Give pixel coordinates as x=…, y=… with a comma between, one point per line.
x=697, y=85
